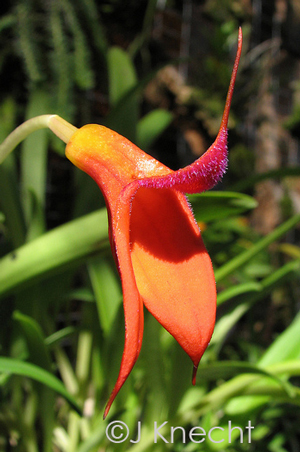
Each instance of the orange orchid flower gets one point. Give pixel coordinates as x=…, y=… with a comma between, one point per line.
x=161, y=258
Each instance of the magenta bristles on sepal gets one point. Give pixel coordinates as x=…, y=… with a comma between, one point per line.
x=208, y=170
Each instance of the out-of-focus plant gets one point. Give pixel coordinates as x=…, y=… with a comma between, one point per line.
x=60, y=298
x=38, y=271
x=154, y=393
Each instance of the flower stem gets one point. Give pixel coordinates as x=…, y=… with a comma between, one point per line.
x=59, y=126
x=62, y=128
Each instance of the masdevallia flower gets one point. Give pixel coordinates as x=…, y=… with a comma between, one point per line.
x=161, y=258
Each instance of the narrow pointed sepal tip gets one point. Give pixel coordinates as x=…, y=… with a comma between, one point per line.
x=109, y=404
x=107, y=408
x=232, y=81
x=195, y=368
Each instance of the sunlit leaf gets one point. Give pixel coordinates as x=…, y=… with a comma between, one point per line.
x=16, y=367
x=151, y=126
x=38, y=351
x=216, y=205
x=54, y=251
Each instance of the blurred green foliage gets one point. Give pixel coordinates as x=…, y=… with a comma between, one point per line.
x=62, y=328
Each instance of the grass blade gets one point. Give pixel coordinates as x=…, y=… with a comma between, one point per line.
x=17, y=367
x=244, y=257
x=57, y=249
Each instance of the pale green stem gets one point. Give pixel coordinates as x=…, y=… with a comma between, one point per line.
x=74, y=431
x=61, y=439
x=28, y=430
x=66, y=371
x=59, y=126
x=83, y=356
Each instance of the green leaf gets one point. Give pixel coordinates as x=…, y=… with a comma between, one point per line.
x=245, y=390
x=96, y=26
x=60, y=248
x=10, y=202
x=151, y=126
x=282, y=357
x=121, y=72
x=39, y=355
x=10, y=196
x=273, y=174
x=34, y=165
x=246, y=295
x=123, y=117
x=153, y=366
x=244, y=257
x=215, y=205
x=138, y=44
x=226, y=369
x=107, y=291
x=59, y=335
x=226, y=323
x=124, y=93
x=17, y=367
x=123, y=97
x=290, y=249
x=285, y=347
x=239, y=289
x=7, y=21
x=38, y=352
